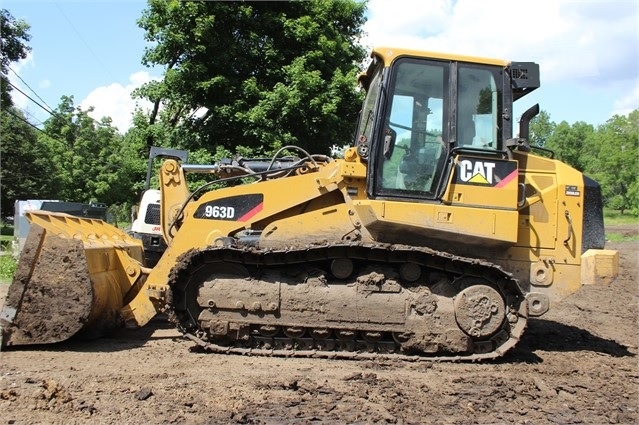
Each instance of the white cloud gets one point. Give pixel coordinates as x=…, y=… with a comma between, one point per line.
x=628, y=103
x=596, y=40
x=115, y=101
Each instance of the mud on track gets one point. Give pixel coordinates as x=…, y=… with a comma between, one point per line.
x=577, y=364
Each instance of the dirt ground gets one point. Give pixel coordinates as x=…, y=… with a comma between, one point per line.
x=577, y=364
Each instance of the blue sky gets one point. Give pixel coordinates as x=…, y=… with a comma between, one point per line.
x=90, y=50
x=588, y=50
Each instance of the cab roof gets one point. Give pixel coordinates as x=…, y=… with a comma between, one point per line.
x=388, y=54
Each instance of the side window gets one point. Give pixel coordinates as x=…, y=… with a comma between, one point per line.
x=415, y=120
x=367, y=117
x=477, y=107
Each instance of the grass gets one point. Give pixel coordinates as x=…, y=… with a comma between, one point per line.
x=614, y=217
x=620, y=237
x=7, y=268
x=7, y=261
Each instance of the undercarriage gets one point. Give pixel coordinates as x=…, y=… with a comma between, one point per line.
x=347, y=301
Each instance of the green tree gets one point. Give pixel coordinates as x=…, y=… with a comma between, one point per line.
x=612, y=158
x=255, y=74
x=541, y=128
x=135, y=139
x=26, y=172
x=93, y=164
x=13, y=36
x=568, y=142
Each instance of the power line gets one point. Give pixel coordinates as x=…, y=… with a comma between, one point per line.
x=49, y=111
x=84, y=41
x=29, y=87
x=33, y=126
x=8, y=111
x=33, y=117
x=29, y=97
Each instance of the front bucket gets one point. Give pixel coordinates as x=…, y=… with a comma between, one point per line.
x=68, y=282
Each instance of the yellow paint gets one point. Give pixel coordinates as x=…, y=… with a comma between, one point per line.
x=538, y=241
x=388, y=54
x=599, y=266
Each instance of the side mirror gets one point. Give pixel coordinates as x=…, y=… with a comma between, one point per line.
x=389, y=142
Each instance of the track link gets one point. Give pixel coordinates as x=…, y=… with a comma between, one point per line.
x=268, y=328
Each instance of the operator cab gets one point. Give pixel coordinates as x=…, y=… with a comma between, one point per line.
x=419, y=112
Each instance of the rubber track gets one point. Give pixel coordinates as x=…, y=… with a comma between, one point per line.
x=432, y=259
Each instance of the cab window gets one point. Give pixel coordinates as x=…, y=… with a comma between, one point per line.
x=414, y=121
x=477, y=108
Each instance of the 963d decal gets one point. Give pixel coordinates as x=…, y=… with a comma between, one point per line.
x=233, y=208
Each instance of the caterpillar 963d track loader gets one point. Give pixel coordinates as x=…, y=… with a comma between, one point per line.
x=436, y=236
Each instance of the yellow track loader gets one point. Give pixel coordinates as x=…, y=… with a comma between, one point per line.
x=436, y=236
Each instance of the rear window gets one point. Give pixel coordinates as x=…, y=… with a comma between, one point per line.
x=152, y=214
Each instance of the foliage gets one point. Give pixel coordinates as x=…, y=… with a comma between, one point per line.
x=568, y=142
x=612, y=158
x=14, y=33
x=256, y=74
x=120, y=215
x=8, y=262
x=241, y=78
x=6, y=230
x=92, y=162
x=8, y=267
x=608, y=153
x=74, y=158
x=27, y=171
x=541, y=128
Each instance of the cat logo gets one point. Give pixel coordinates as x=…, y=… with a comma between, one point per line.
x=495, y=173
x=480, y=172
